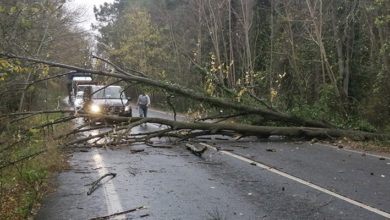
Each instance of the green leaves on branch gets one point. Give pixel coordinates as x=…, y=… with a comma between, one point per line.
x=8, y=68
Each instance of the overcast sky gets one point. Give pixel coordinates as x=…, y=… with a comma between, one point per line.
x=87, y=7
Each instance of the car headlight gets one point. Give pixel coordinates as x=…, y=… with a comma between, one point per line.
x=94, y=108
x=127, y=108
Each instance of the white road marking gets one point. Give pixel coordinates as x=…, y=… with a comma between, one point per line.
x=306, y=183
x=355, y=151
x=111, y=197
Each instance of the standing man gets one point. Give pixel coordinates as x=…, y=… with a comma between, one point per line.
x=143, y=104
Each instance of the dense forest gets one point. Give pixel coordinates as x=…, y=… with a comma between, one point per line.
x=322, y=60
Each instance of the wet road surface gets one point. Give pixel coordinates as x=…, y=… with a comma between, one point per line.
x=246, y=179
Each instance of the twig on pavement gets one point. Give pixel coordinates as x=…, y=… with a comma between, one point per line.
x=196, y=151
x=118, y=213
x=96, y=185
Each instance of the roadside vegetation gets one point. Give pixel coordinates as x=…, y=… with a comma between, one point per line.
x=29, y=157
x=29, y=154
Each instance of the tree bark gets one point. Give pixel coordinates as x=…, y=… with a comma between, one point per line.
x=215, y=101
x=252, y=130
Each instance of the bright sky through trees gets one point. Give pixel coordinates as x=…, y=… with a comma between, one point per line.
x=87, y=7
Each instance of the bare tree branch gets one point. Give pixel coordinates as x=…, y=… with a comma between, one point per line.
x=117, y=68
x=267, y=114
x=22, y=159
x=169, y=101
x=32, y=113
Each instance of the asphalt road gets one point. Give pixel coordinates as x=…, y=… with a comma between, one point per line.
x=246, y=179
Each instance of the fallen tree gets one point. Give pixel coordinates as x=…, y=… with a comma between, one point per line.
x=267, y=114
x=186, y=130
x=120, y=132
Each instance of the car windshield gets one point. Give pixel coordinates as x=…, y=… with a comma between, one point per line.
x=80, y=94
x=81, y=88
x=109, y=93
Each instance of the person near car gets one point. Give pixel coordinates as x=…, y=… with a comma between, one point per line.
x=143, y=104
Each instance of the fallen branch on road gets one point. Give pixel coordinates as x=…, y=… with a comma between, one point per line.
x=75, y=131
x=258, y=131
x=144, y=215
x=159, y=145
x=196, y=151
x=186, y=130
x=134, y=151
x=119, y=213
x=96, y=184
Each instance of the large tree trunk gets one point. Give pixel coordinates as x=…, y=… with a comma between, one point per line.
x=215, y=101
x=247, y=130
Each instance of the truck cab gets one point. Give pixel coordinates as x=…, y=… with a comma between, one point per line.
x=75, y=79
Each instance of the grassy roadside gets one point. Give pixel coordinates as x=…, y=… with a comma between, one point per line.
x=25, y=179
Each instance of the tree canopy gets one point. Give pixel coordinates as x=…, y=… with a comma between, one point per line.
x=322, y=59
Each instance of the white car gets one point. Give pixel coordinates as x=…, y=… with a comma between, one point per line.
x=79, y=100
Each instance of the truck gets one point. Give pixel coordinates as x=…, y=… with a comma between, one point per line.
x=77, y=81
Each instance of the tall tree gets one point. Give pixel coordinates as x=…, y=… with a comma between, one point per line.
x=33, y=28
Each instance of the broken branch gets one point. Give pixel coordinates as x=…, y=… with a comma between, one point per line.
x=118, y=213
x=22, y=159
x=215, y=101
x=96, y=185
x=195, y=150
